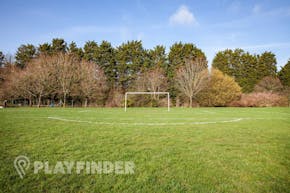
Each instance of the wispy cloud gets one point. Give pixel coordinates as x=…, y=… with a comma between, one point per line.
x=183, y=16
x=270, y=45
x=281, y=12
x=90, y=29
x=257, y=9
x=234, y=6
x=253, y=47
x=89, y=32
x=274, y=12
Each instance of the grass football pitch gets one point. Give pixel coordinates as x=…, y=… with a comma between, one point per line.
x=184, y=150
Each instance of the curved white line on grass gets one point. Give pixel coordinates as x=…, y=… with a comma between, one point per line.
x=149, y=124
x=68, y=120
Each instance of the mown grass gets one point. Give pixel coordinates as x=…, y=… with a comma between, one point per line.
x=184, y=150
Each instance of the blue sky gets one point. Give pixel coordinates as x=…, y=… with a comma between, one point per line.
x=254, y=26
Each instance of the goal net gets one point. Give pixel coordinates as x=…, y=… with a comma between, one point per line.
x=150, y=93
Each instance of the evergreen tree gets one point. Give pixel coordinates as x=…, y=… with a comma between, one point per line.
x=284, y=74
x=157, y=57
x=44, y=49
x=130, y=60
x=267, y=65
x=58, y=45
x=247, y=69
x=106, y=60
x=24, y=54
x=179, y=53
x=73, y=49
x=2, y=59
x=248, y=72
x=229, y=62
x=91, y=51
x=177, y=56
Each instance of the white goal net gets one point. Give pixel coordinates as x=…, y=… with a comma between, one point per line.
x=151, y=93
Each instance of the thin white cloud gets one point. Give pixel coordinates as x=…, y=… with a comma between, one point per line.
x=276, y=12
x=183, y=16
x=270, y=45
x=281, y=12
x=234, y=6
x=256, y=9
x=254, y=47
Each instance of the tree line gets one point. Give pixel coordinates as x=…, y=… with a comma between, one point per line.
x=99, y=74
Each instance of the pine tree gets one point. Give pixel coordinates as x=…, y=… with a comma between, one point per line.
x=24, y=54
x=248, y=73
x=91, y=51
x=177, y=56
x=73, y=49
x=284, y=74
x=44, y=49
x=267, y=65
x=130, y=58
x=106, y=60
x=157, y=57
x=2, y=59
x=58, y=45
x=247, y=69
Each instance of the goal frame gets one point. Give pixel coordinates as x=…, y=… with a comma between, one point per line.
x=150, y=93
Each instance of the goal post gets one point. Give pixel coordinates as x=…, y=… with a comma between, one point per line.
x=150, y=93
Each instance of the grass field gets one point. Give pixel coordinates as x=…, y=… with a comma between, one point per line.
x=184, y=150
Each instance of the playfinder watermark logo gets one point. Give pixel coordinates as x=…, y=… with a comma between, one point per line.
x=22, y=164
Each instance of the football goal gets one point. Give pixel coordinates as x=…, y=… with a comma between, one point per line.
x=151, y=93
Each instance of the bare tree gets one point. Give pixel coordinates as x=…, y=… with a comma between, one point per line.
x=22, y=85
x=31, y=82
x=91, y=82
x=66, y=68
x=11, y=84
x=192, y=77
x=18, y=84
x=5, y=81
x=41, y=78
x=269, y=84
x=153, y=80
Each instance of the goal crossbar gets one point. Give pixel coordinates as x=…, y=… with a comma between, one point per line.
x=150, y=93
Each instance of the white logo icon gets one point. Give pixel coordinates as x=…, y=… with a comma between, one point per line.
x=21, y=163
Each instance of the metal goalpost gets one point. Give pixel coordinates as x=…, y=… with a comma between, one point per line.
x=154, y=93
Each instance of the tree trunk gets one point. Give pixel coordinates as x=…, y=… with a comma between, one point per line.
x=30, y=101
x=39, y=101
x=177, y=101
x=64, y=99
x=190, y=102
x=86, y=102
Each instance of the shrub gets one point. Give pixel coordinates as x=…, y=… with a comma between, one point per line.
x=221, y=90
x=116, y=99
x=269, y=84
x=261, y=99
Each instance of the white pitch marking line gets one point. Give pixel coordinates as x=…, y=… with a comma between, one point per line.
x=150, y=124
